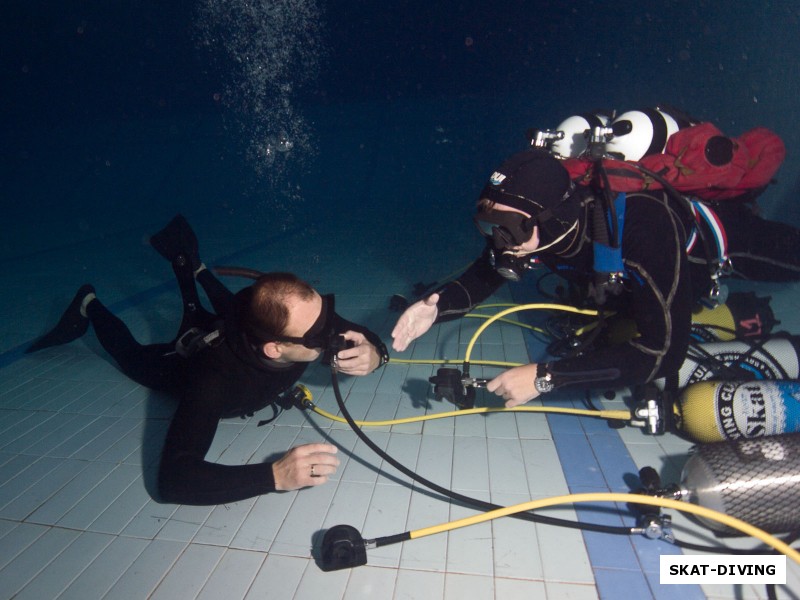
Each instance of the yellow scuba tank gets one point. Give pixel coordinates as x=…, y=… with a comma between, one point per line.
x=743, y=315
x=712, y=411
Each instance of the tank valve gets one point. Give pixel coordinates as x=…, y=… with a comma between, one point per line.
x=655, y=527
x=544, y=138
x=649, y=411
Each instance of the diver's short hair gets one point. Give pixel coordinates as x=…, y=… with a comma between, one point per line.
x=264, y=303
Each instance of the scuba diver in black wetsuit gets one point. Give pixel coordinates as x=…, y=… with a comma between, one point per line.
x=228, y=364
x=532, y=208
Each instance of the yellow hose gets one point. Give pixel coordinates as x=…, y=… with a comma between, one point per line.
x=451, y=361
x=509, y=321
x=513, y=309
x=701, y=511
x=622, y=415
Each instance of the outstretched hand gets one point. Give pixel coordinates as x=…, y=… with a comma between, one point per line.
x=415, y=321
x=303, y=466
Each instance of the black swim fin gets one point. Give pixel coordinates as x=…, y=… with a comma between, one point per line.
x=177, y=242
x=71, y=326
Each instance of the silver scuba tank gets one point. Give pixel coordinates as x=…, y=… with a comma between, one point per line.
x=756, y=480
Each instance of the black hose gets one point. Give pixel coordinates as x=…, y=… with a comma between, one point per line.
x=474, y=502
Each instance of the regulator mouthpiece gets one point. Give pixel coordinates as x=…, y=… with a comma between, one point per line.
x=343, y=548
x=457, y=388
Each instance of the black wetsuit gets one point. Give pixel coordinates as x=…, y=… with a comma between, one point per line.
x=662, y=286
x=226, y=379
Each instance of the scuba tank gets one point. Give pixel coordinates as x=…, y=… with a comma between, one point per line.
x=573, y=139
x=743, y=315
x=773, y=358
x=712, y=411
x=757, y=481
x=640, y=133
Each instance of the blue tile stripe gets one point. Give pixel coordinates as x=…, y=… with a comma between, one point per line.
x=595, y=459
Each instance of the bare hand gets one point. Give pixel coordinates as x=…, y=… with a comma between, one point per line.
x=362, y=359
x=415, y=321
x=516, y=386
x=306, y=465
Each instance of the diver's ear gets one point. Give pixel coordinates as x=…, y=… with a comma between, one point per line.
x=272, y=350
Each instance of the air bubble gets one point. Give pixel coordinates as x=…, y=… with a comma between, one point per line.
x=269, y=52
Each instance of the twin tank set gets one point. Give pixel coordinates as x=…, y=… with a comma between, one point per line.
x=746, y=416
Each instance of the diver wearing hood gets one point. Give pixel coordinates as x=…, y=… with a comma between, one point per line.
x=230, y=363
x=530, y=210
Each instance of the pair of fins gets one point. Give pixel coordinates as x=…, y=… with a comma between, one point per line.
x=176, y=242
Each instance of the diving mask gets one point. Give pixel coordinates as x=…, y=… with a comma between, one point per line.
x=321, y=334
x=506, y=229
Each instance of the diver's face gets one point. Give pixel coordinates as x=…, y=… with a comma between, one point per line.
x=528, y=247
x=302, y=316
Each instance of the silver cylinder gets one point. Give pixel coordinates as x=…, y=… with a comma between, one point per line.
x=755, y=480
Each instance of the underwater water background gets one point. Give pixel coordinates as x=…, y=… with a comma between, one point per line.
x=397, y=110
x=344, y=140
x=501, y=67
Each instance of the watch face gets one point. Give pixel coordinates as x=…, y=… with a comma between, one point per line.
x=543, y=385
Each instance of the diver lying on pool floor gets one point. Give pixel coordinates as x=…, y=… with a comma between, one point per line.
x=228, y=364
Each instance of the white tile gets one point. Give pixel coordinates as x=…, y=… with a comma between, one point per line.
x=105, y=569
x=41, y=491
x=304, y=519
x=419, y=585
x=404, y=449
x=30, y=562
x=517, y=553
x=563, y=553
x=124, y=508
x=469, y=549
x=233, y=575
x=148, y=569
x=60, y=573
x=103, y=495
x=68, y=496
x=317, y=584
x=436, y=458
x=506, y=466
x=223, y=523
x=189, y=573
x=519, y=589
x=278, y=578
x=184, y=523
x=370, y=582
x=430, y=552
x=571, y=591
x=17, y=540
x=260, y=527
x=386, y=516
x=25, y=479
x=457, y=586
x=93, y=428
x=106, y=440
x=470, y=463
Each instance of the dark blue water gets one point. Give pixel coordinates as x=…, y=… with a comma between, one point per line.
x=482, y=71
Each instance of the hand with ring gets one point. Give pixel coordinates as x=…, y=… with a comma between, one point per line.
x=306, y=465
